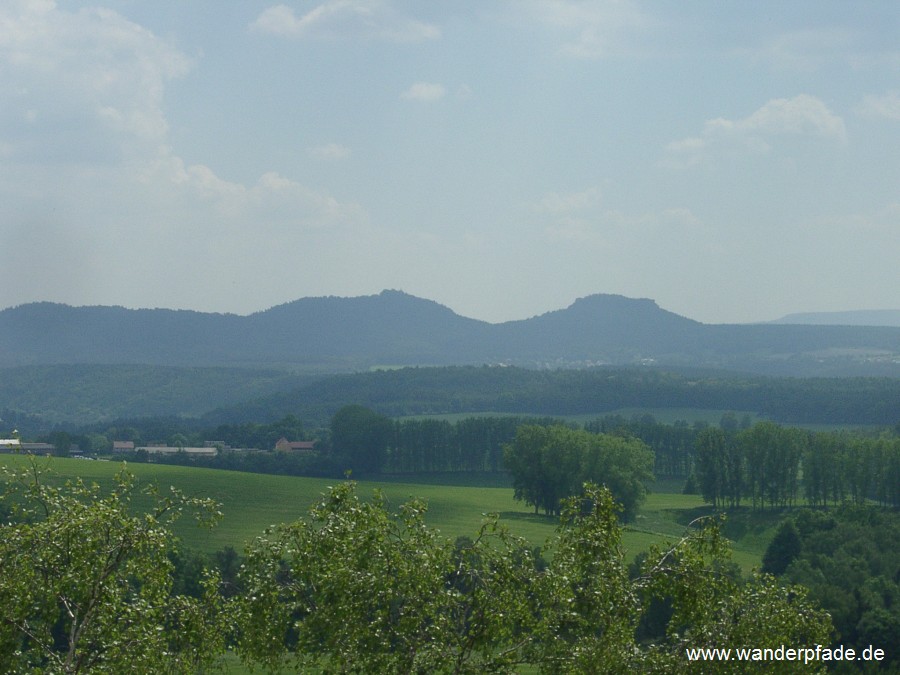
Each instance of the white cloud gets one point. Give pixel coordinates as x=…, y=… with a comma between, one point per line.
x=91, y=68
x=96, y=72
x=88, y=174
x=887, y=106
x=330, y=152
x=589, y=30
x=427, y=92
x=271, y=202
x=802, y=115
x=345, y=18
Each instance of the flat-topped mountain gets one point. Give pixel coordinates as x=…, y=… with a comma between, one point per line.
x=397, y=329
x=608, y=328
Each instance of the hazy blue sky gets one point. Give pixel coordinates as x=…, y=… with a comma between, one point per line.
x=735, y=161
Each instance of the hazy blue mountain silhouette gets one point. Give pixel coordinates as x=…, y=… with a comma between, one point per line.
x=394, y=328
x=860, y=317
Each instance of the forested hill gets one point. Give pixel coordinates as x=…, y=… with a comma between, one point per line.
x=345, y=334
x=37, y=398
x=591, y=391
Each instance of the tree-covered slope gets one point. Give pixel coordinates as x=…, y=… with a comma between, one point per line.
x=82, y=393
x=418, y=391
x=393, y=328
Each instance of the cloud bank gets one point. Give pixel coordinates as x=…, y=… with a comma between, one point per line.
x=802, y=115
x=89, y=180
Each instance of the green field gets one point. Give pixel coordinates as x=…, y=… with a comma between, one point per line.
x=251, y=502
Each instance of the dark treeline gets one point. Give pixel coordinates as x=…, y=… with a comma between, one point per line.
x=476, y=443
x=477, y=390
x=469, y=389
x=26, y=424
x=672, y=444
x=76, y=394
x=471, y=444
x=767, y=465
x=408, y=446
x=732, y=464
x=177, y=431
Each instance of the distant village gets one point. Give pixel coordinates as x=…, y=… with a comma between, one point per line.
x=124, y=448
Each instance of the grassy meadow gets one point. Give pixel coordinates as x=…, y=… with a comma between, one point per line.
x=251, y=502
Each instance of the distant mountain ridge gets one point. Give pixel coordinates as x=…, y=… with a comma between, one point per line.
x=862, y=317
x=333, y=334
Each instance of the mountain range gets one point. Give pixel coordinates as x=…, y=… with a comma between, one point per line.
x=859, y=317
x=333, y=334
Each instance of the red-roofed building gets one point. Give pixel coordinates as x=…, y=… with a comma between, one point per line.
x=284, y=445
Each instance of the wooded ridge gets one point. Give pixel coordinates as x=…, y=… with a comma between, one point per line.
x=333, y=334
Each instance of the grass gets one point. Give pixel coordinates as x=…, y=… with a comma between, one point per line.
x=251, y=502
x=461, y=478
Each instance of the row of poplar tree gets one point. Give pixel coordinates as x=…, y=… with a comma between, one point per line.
x=477, y=443
x=769, y=465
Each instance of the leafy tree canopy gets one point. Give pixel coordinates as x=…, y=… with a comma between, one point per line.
x=849, y=559
x=358, y=588
x=85, y=586
x=549, y=463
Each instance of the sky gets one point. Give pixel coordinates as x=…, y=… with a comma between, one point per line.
x=734, y=161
